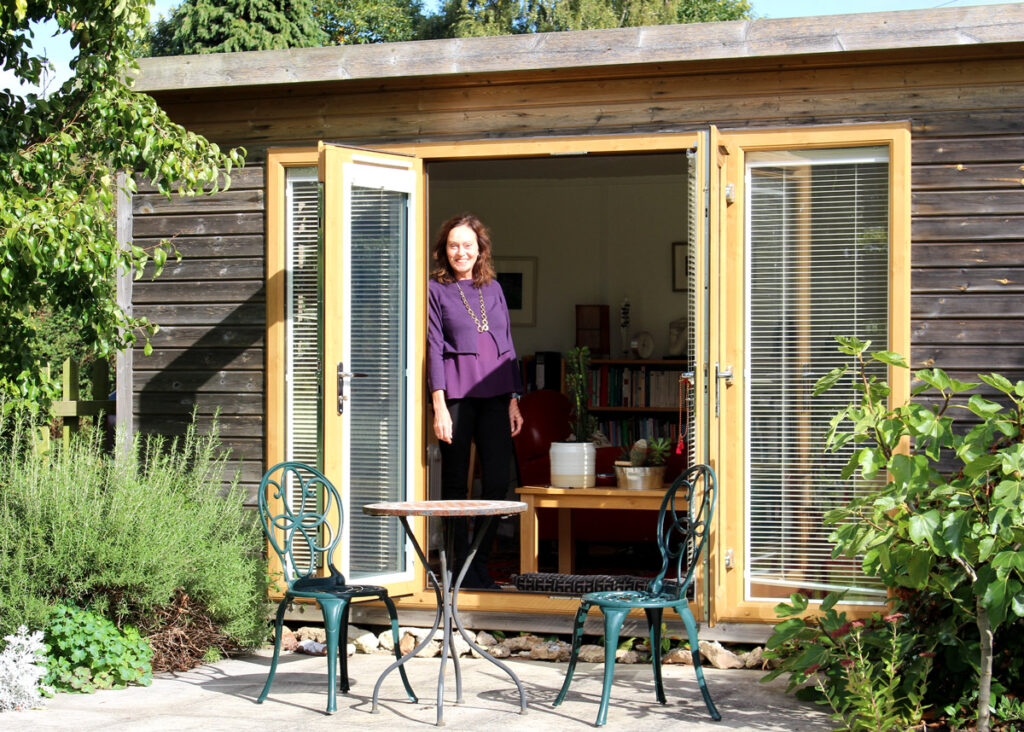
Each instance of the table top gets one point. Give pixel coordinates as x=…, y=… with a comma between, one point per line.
x=444, y=508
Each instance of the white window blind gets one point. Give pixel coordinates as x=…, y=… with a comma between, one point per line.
x=302, y=318
x=817, y=262
x=377, y=431
x=694, y=289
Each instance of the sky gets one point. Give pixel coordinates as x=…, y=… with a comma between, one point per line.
x=59, y=52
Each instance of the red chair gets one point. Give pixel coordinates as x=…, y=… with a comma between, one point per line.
x=545, y=420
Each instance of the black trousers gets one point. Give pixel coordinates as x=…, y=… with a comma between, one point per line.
x=484, y=421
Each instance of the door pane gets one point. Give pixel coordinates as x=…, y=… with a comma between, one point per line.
x=377, y=429
x=302, y=323
x=818, y=252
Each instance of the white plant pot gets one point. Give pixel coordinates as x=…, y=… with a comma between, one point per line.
x=573, y=464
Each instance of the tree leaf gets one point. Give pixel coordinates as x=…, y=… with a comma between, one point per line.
x=983, y=407
x=891, y=358
x=852, y=346
x=1009, y=560
x=997, y=381
x=923, y=526
x=829, y=380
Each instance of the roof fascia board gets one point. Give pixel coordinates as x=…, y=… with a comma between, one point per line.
x=744, y=39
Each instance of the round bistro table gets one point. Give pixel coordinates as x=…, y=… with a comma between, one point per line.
x=446, y=590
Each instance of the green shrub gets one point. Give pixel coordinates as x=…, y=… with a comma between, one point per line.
x=873, y=673
x=86, y=652
x=946, y=520
x=123, y=535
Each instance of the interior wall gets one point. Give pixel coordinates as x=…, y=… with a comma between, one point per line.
x=597, y=240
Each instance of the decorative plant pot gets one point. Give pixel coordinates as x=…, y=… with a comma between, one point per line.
x=640, y=479
x=573, y=464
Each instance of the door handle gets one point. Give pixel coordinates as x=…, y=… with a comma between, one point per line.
x=342, y=375
x=720, y=374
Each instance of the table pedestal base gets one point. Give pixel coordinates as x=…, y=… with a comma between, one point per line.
x=448, y=617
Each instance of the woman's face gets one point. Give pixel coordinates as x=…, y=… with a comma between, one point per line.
x=462, y=251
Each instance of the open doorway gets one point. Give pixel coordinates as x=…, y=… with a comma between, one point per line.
x=587, y=230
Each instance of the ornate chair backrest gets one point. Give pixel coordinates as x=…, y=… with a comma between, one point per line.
x=301, y=515
x=683, y=523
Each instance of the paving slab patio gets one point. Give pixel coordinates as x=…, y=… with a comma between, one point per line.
x=221, y=696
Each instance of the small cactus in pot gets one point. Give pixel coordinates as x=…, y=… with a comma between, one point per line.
x=643, y=468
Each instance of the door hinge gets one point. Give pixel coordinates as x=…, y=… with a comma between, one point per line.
x=729, y=559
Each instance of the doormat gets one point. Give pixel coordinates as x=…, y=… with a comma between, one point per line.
x=580, y=584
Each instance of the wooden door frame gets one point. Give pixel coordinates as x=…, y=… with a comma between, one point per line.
x=728, y=346
x=280, y=159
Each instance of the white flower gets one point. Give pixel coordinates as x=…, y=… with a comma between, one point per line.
x=22, y=668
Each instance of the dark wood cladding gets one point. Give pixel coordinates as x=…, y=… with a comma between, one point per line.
x=208, y=354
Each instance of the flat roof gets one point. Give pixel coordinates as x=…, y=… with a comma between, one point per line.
x=761, y=38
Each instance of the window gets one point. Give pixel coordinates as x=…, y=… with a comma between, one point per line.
x=818, y=267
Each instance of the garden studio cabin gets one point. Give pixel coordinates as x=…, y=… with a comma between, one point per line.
x=814, y=177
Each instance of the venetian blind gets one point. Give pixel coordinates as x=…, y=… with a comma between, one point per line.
x=817, y=248
x=377, y=430
x=302, y=364
x=694, y=289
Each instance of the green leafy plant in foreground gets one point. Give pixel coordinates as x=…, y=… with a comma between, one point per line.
x=954, y=531
x=86, y=652
x=872, y=673
x=127, y=535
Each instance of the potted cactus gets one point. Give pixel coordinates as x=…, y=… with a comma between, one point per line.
x=643, y=468
x=574, y=464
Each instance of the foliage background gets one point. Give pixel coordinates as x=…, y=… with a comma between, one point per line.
x=208, y=26
x=59, y=159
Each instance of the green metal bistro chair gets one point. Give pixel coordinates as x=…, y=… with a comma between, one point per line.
x=682, y=532
x=301, y=515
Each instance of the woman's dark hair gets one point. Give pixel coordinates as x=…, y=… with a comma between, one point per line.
x=483, y=270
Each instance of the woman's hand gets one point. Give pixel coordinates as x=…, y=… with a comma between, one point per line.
x=514, y=416
x=442, y=418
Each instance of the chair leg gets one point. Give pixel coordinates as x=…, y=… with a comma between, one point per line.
x=654, y=616
x=613, y=619
x=278, y=630
x=343, y=686
x=691, y=631
x=577, y=638
x=332, y=610
x=393, y=614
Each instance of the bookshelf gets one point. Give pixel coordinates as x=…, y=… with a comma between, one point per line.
x=634, y=398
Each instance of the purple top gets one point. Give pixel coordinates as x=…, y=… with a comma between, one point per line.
x=460, y=360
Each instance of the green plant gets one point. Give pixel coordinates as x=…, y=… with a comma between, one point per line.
x=872, y=673
x=86, y=652
x=123, y=535
x=653, y=454
x=956, y=531
x=62, y=155
x=577, y=377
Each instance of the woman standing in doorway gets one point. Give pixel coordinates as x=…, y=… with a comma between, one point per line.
x=473, y=376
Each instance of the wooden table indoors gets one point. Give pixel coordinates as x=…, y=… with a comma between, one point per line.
x=566, y=499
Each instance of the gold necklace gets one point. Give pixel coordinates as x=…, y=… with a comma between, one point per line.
x=480, y=326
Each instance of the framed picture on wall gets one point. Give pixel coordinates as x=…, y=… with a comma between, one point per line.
x=518, y=279
x=680, y=266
